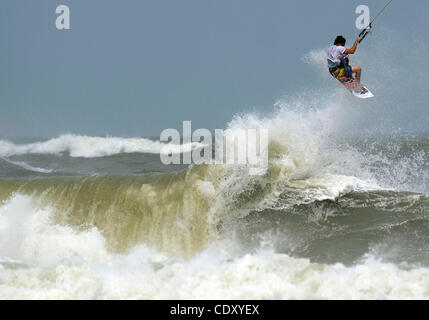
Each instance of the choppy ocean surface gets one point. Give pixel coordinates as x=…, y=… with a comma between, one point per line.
x=335, y=216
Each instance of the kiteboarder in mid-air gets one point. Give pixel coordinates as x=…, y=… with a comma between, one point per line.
x=338, y=63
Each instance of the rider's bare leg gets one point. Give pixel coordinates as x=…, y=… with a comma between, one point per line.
x=358, y=71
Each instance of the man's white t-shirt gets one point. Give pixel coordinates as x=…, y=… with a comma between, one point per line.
x=335, y=55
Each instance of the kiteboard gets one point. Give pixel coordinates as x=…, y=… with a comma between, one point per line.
x=358, y=90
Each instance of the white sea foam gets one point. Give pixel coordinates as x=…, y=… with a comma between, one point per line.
x=26, y=166
x=316, y=58
x=304, y=160
x=46, y=261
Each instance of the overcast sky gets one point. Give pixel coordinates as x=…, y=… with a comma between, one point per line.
x=136, y=67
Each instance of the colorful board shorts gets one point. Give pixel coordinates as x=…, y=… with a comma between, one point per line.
x=343, y=72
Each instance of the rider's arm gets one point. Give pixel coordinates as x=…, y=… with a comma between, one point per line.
x=352, y=49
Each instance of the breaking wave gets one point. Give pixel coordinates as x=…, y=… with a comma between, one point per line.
x=89, y=147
